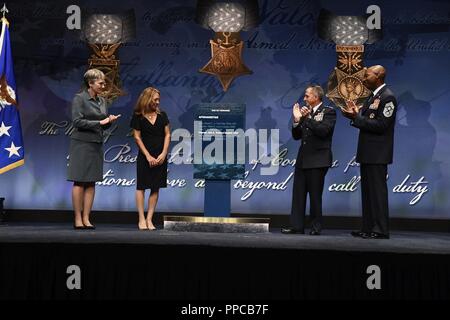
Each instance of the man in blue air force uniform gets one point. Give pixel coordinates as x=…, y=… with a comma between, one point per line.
x=314, y=125
x=375, y=120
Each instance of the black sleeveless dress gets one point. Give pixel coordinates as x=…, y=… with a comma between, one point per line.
x=153, y=138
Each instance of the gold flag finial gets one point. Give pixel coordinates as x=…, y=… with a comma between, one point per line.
x=4, y=10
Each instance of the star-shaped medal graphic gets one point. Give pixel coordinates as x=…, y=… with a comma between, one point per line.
x=13, y=150
x=226, y=63
x=4, y=130
x=348, y=87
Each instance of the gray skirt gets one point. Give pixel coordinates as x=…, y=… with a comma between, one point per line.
x=85, y=161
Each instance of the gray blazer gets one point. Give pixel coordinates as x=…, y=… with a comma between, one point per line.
x=86, y=115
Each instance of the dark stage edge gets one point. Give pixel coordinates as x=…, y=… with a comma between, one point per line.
x=120, y=262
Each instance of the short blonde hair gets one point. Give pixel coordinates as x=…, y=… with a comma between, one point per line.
x=92, y=75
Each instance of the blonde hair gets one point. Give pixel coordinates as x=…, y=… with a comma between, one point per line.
x=92, y=75
x=145, y=100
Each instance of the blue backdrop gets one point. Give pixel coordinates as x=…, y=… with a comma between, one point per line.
x=285, y=55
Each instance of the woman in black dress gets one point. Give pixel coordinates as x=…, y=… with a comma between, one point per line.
x=152, y=135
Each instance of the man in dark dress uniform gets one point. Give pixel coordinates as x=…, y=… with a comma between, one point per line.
x=314, y=125
x=375, y=120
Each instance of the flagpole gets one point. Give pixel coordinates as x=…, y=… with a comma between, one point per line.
x=2, y=212
x=4, y=10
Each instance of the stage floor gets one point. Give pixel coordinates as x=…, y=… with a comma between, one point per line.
x=121, y=262
x=334, y=240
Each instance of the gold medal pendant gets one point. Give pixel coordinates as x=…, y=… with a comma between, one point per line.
x=349, y=33
x=105, y=60
x=227, y=19
x=105, y=34
x=226, y=58
x=346, y=81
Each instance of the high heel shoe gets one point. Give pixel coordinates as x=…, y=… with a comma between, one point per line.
x=91, y=227
x=78, y=227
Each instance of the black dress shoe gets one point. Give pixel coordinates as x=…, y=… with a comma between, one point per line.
x=291, y=231
x=376, y=235
x=89, y=227
x=78, y=227
x=359, y=234
x=314, y=233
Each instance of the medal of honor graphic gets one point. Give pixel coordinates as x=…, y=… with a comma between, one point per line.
x=105, y=34
x=227, y=19
x=226, y=61
x=349, y=33
x=346, y=81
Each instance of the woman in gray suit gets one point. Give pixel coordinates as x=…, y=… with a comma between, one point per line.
x=90, y=118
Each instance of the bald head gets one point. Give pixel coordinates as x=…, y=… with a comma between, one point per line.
x=380, y=71
x=374, y=76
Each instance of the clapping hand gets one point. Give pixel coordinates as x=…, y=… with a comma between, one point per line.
x=305, y=111
x=352, y=109
x=113, y=118
x=296, y=113
x=110, y=119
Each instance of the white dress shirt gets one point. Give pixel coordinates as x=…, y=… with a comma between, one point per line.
x=378, y=89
